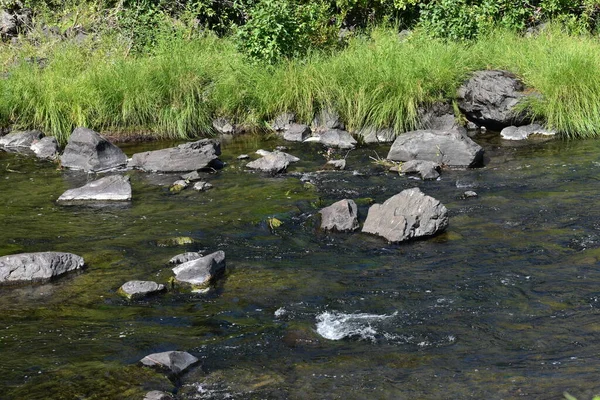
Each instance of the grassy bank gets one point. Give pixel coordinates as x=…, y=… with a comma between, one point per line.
x=379, y=80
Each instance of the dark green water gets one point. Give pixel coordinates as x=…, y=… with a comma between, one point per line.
x=503, y=305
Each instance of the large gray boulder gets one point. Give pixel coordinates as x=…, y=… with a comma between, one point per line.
x=37, y=266
x=489, y=98
x=109, y=188
x=523, y=132
x=173, y=361
x=88, y=151
x=452, y=148
x=45, y=148
x=201, y=271
x=192, y=156
x=139, y=289
x=21, y=138
x=409, y=214
x=341, y=216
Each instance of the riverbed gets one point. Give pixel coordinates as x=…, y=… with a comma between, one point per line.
x=503, y=304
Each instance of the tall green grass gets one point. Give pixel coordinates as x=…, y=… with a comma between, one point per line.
x=378, y=81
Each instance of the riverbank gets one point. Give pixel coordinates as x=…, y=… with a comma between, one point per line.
x=379, y=80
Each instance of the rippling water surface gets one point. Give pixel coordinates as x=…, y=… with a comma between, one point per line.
x=502, y=305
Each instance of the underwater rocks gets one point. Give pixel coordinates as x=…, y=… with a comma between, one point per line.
x=201, y=271
x=191, y=156
x=341, y=216
x=408, y=215
x=28, y=267
x=110, y=188
x=174, y=362
x=137, y=289
x=452, y=148
x=90, y=152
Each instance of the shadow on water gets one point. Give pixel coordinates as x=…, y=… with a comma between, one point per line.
x=504, y=304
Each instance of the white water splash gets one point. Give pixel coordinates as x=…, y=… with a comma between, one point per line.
x=336, y=326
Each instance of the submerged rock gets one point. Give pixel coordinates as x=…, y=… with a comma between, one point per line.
x=452, y=148
x=138, y=289
x=46, y=148
x=109, y=188
x=341, y=216
x=89, y=151
x=425, y=169
x=523, y=132
x=202, y=186
x=185, y=257
x=172, y=361
x=185, y=157
x=489, y=98
x=21, y=138
x=201, y=271
x=37, y=266
x=409, y=214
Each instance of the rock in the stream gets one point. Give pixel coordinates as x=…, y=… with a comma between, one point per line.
x=46, y=148
x=469, y=194
x=223, y=126
x=452, y=148
x=370, y=135
x=89, y=151
x=172, y=361
x=523, y=132
x=192, y=156
x=290, y=158
x=325, y=120
x=202, y=186
x=283, y=121
x=334, y=138
x=296, y=132
x=341, y=216
x=157, y=395
x=409, y=214
x=109, y=188
x=138, y=289
x=425, y=169
x=21, y=138
x=178, y=186
x=337, y=164
x=273, y=163
x=489, y=98
x=192, y=176
x=185, y=257
x=201, y=271
x=37, y=266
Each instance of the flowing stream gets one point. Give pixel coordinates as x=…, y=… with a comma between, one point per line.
x=502, y=305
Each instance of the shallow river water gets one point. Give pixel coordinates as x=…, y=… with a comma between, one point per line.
x=504, y=304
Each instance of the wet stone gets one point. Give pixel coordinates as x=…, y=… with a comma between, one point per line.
x=157, y=395
x=341, y=216
x=138, y=289
x=178, y=186
x=172, y=361
x=42, y=266
x=202, y=186
x=45, y=148
x=88, y=151
x=185, y=257
x=191, y=177
x=337, y=164
x=21, y=138
x=201, y=271
x=109, y=188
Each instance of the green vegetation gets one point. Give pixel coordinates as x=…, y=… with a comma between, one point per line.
x=169, y=68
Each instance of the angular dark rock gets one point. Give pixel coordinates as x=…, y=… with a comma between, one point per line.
x=425, y=169
x=201, y=271
x=185, y=157
x=409, y=214
x=489, y=98
x=46, y=148
x=341, y=216
x=138, y=289
x=21, y=138
x=37, y=266
x=452, y=148
x=172, y=361
x=89, y=151
x=109, y=188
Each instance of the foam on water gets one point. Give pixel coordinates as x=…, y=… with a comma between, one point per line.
x=337, y=326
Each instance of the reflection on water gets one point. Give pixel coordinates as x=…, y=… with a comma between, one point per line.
x=504, y=304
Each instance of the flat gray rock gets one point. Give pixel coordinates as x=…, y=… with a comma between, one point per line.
x=451, y=148
x=341, y=216
x=185, y=157
x=88, y=151
x=523, y=132
x=37, y=266
x=192, y=176
x=409, y=214
x=46, y=148
x=185, y=257
x=425, y=169
x=21, y=138
x=337, y=138
x=337, y=164
x=296, y=132
x=138, y=289
x=172, y=361
x=109, y=188
x=273, y=163
x=157, y=395
x=201, y=271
